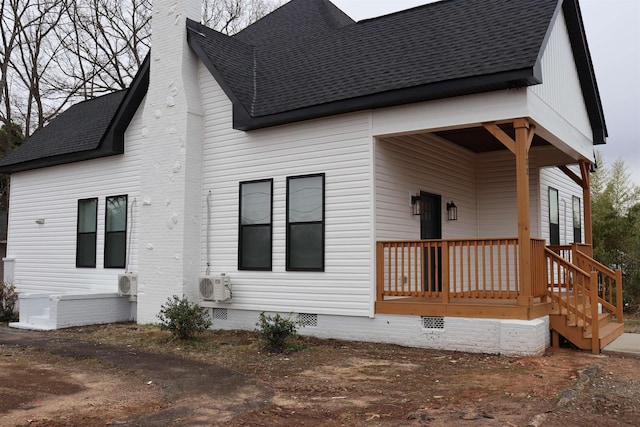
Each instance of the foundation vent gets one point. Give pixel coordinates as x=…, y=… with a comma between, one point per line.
x=308, y=320
x=432, y=322
x=219, y=314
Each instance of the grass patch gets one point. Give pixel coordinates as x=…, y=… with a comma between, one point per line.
x=632, y=324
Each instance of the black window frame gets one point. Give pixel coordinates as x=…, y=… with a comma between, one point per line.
x=79, y=235
x=108, y=234
x=554, y=228
x=242, y=229
x=290, y=225
x=577, y=230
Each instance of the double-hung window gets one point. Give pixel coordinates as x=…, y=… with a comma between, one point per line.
x=305, y=223
x=577, y=220
x=254, y=249
x=86, y=234
x=554, y=217
x=115, y=238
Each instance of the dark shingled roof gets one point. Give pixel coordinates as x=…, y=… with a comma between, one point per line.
x=307, y=59
x=317, y=17
x=87, y=121
x=87, y=130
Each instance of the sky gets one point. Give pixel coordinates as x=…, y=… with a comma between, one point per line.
x=613, y=35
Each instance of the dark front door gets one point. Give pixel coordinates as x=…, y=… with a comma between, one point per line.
x=431, y=228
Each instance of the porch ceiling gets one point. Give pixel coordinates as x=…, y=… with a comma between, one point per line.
x=479, y=140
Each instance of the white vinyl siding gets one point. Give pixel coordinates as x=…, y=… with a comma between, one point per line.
x=483, y=187
x=405, y=165
x=497, y=195
x=338, y=147
x=554, y=177
x=560, y=88
x=46, y=254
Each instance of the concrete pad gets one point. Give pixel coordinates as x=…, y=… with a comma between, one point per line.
x=625, y=345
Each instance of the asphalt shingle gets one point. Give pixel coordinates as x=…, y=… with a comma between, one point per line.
x=308, y=59
x=79, y=128
x=304, y=59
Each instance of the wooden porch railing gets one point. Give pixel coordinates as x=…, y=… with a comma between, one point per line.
x=569, y=288
x=460, y=268
x=582, y=288
x=567, y=251
x=609, y=282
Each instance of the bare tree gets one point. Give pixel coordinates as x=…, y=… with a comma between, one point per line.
x=33, y=62
x=56, y=52
x=10, y=26
x=231, y=16
x=105, y=42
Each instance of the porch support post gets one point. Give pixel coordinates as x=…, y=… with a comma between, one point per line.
x=524, y=136
x=524, y=132
x=586, y=197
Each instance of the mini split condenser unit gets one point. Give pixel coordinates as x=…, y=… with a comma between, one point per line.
x=128, y=284
x=215, y=288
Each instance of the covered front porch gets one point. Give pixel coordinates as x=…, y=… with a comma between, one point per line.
x=482, y=278
x=459, y=268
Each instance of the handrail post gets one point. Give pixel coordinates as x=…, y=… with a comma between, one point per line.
x=595, y=318
x=619, y=303
x=445, y=272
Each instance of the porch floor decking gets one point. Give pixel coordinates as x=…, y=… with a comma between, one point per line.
x=485, y=308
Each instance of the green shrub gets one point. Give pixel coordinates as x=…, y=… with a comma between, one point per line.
x=275, y=330
x=182, y=318
x=8, y=299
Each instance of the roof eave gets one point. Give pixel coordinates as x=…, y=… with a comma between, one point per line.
x=113, y=140
x=586, y=73
x=61, y=159
x=440, y=90
x=111, y=143
x=193, y=26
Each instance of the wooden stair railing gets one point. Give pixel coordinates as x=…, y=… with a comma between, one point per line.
x=584, y=295
x=609, y=282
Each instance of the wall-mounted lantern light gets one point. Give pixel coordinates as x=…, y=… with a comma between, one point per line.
x=452, y=211
x=416, y=202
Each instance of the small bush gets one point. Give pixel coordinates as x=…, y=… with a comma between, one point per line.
x=182, y=318
x=275, y=330
x=8, y=299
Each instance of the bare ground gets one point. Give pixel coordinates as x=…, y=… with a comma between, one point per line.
x=134, y=375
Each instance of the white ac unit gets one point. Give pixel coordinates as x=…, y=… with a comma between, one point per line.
x=215, y=288
x=127, y=284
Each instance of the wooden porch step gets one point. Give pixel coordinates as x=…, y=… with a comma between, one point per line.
x=608, y=333
x=582, y=338
x=603, y=320
x=571, y=314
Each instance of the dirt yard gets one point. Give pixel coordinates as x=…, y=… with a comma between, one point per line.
x=135, y=376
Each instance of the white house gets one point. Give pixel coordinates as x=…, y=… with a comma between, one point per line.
x=396, y=179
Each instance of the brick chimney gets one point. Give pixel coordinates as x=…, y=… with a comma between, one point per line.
x=171, y=164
